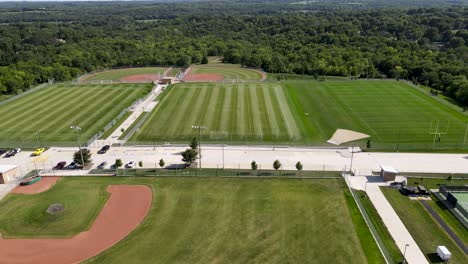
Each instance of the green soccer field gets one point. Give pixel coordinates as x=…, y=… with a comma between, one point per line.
x=229, y=72
x=390, y=112
x=52, y=111
x=117, y=74
x=208, y=220
x=304, y=112
x=245, y=111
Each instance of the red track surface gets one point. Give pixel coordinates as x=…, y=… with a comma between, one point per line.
x=41, y=186
x=140, y=78
x=123, y=212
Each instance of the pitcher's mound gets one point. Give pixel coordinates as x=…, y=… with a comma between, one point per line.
x=55, y=208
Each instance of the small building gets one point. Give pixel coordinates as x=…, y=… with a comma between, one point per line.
x=7, y=173
x=388, y=173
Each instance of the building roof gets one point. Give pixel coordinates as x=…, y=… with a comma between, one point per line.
x=388, y=169
x=444, y=250
x=5, y=168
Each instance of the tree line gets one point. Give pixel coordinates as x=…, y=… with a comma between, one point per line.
x=423, y=45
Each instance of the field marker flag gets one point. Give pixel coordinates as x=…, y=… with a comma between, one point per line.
x=342, y=136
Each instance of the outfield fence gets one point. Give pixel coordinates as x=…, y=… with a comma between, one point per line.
x=182, y=171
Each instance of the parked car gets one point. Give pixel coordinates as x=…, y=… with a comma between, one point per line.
x=104, y=149
x=73, y=166
x=38, y=151
x=131, y=164
x=102, y=165
x=60, y=165
x=12, y=152
x=3, y=151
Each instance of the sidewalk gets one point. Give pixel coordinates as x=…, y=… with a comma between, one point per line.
x=144, y=106
x=390, y=218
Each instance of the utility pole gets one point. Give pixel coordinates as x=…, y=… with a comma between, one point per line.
x=199, y=142
x=404, y=254
x=352, y=157
x=77, y=130
x=466, y=133
x=37, y=138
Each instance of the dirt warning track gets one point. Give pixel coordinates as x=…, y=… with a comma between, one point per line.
x=41, y=186
x=124, y=211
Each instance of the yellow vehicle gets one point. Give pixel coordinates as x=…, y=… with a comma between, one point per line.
x=38, y=151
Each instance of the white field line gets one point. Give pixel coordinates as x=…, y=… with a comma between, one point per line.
x=293, y=130
x=270, y=111
x=255, y=106
x=226, y=110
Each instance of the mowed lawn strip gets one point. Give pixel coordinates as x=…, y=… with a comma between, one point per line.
x=24, y=215
x=244, y=221
x=117, y=74
x=52, y=110
x=241, y=111
x=425, y=230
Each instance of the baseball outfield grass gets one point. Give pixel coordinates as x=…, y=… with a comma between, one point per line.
x=228, y=71
x=304, y=112
x=117, y=74
x=52, y=110
x=206, y=220
x=425, y=230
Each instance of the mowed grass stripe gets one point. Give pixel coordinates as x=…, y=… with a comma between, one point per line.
x=25, y=110
x=226, y=110
x=183, y=112
x=88, y=106
x=242, y=122
x=210, y=119
x=271, y=113
x=217, y=109
x=255, y=111
x=285, y=112
x=266, y=125
x=72, y=109
x=89, y=117
x=234, y=129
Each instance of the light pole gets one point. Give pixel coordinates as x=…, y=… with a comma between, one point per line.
x=37, y=138
x=199, y=142
x=77, y=130
x=404, y=254
x=352, y=157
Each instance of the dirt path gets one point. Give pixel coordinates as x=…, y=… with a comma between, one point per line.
x=123, y=212
x=41, y=186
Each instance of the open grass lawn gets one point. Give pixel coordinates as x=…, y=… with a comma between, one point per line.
x=230, y=72
x=118, y=74
x=24, y=215
x=389, y=111
x=52, y=110
x=427, y=233
x=246, y=111
x=208, y=220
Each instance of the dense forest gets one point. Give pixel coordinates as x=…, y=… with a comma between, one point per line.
x=427, y=45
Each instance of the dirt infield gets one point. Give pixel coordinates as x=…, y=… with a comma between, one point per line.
x=140, y=78
x=203, y=77
x=123, y=212
x=41, y=186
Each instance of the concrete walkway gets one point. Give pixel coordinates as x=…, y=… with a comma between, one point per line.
x=144, y=106
x=390, y=218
